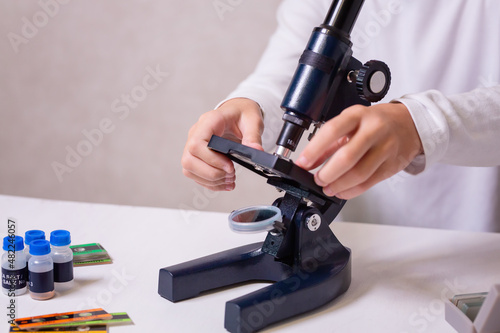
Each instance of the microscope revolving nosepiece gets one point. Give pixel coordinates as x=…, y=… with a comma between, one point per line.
x=254, y=219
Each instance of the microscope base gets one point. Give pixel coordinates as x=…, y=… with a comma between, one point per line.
x=295, y=291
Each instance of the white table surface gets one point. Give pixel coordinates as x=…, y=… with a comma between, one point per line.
x=399, y=274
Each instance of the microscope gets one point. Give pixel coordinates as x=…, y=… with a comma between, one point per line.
x=302, y=258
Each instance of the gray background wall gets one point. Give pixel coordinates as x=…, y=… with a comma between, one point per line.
x=83, y=118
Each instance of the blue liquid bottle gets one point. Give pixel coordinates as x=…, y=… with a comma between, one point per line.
x=41, y=270
x=30, y=236
x=13, y=266
x=63, y=259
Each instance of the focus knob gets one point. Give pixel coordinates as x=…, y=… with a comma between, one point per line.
x=373, y=80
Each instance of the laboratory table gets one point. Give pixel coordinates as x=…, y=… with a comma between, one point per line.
x=400, y=275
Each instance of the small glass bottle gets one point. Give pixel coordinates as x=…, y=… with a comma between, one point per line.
x=41, y=270
x=63, y=259
x=13, y=266
x=30, y=236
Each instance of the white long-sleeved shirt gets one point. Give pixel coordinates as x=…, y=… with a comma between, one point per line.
x=444, y=57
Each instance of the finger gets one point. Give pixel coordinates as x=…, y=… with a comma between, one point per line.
x=326, y=154
x=346, y=157
x=196, y=151
x=381, y=174
x=326, y=141
x=251, y=127
x=228, y=187
x=205, y=170
x=207, y=182
x=210, y=123
x=360, y=173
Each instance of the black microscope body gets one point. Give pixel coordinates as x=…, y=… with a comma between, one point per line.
x=307, y=264
x=328, y=79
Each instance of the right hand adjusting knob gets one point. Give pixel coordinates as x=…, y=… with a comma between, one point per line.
x=373, y=80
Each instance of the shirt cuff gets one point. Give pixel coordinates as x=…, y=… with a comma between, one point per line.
x=431, y=128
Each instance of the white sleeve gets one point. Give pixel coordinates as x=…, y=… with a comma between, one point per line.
x=461, y=129
x=268, y=83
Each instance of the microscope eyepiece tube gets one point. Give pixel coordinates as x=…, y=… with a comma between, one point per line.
x=342, y=14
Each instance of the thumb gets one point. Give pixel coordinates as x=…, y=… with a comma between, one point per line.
x=252, y=141
x=251, y=132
